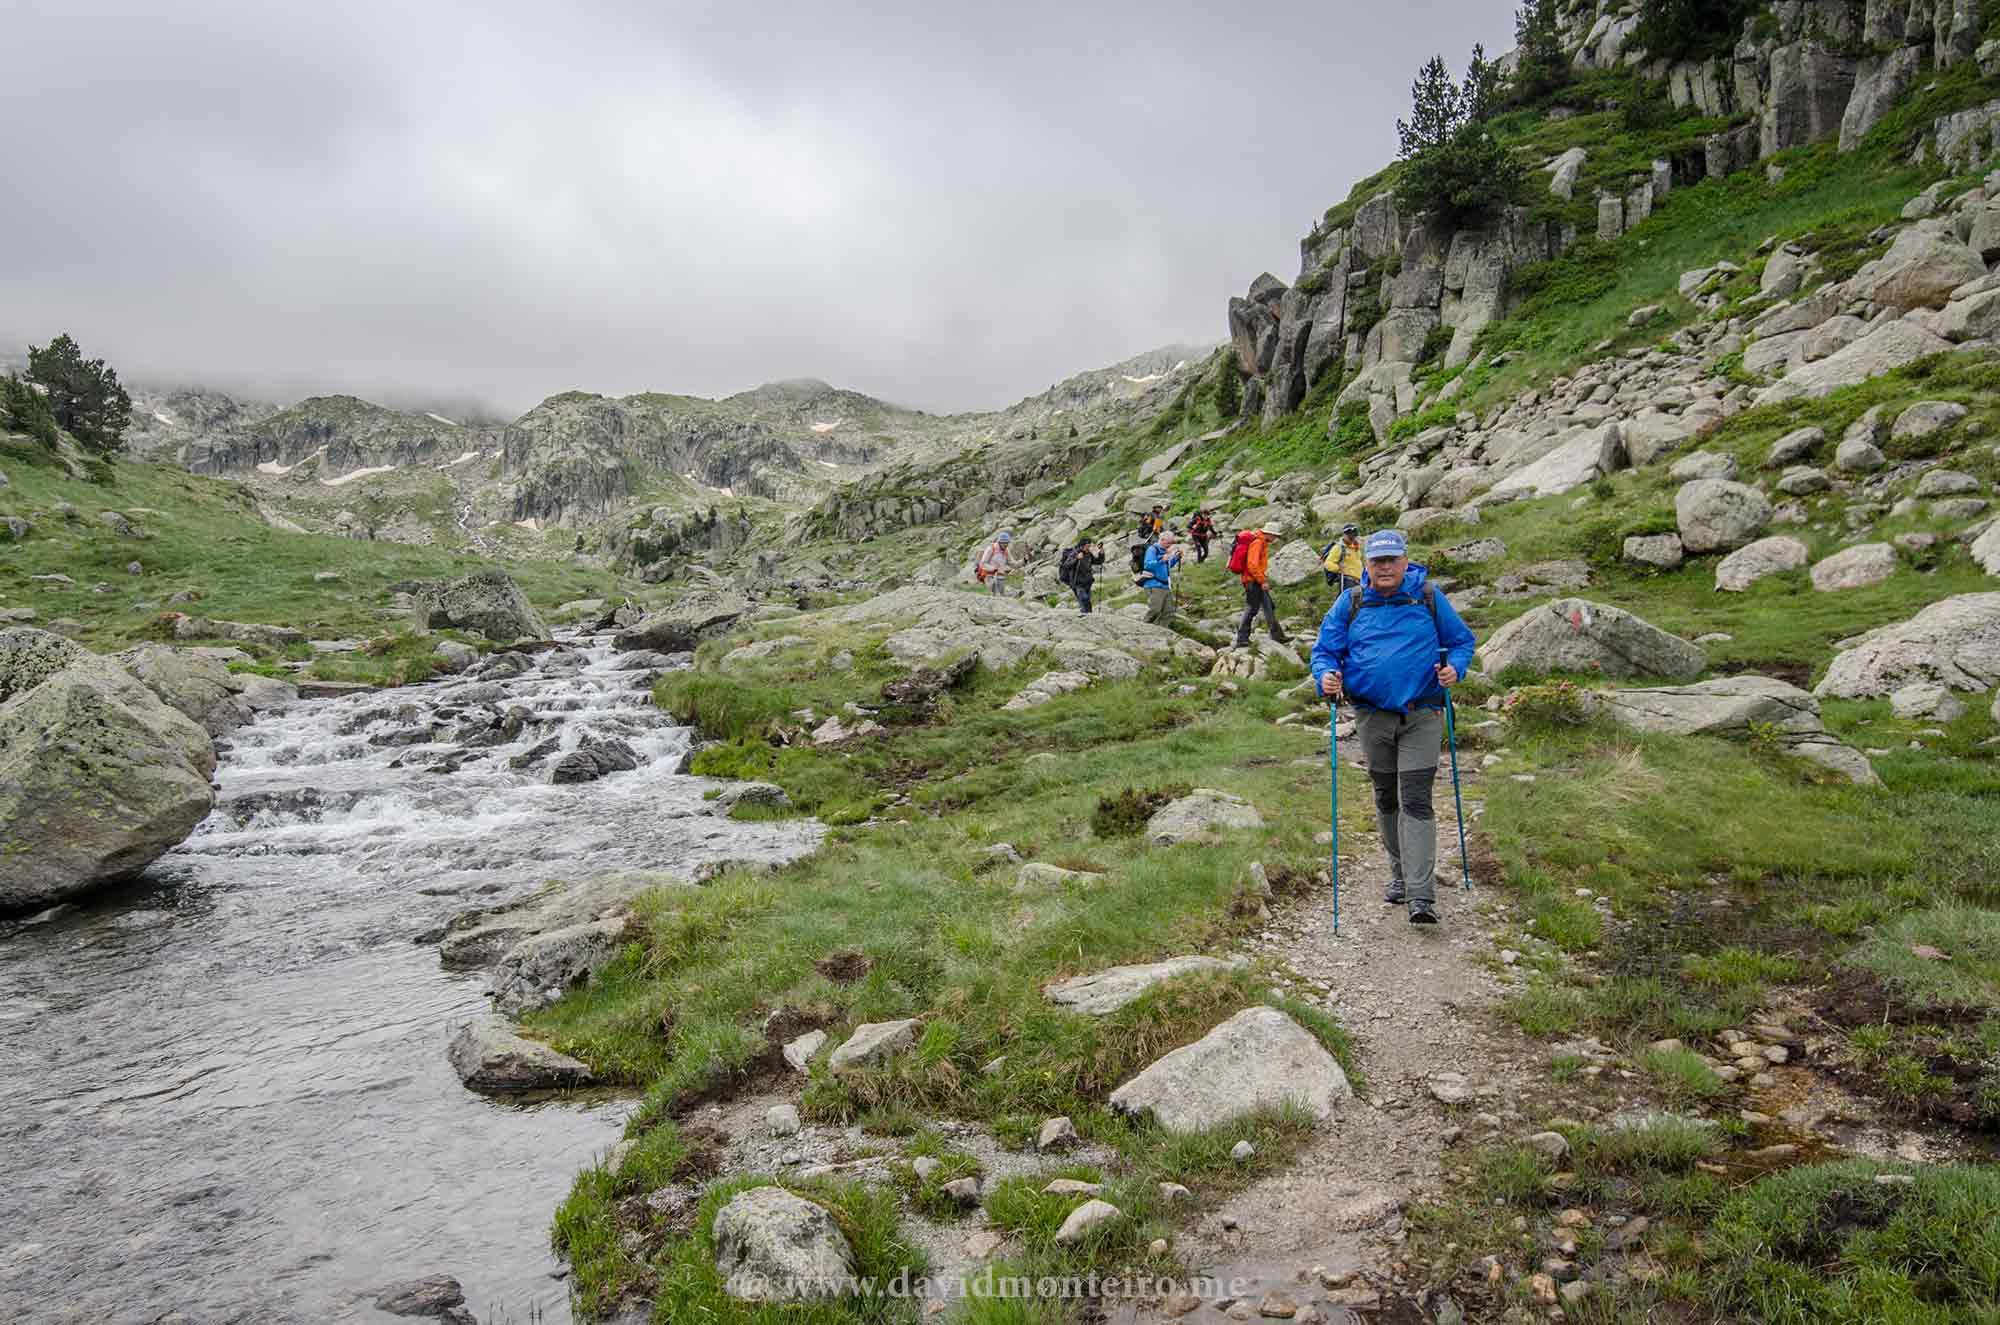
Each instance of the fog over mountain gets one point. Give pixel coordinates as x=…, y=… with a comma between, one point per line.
x=949, y=206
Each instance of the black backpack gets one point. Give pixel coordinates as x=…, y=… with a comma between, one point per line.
x=1066, y=568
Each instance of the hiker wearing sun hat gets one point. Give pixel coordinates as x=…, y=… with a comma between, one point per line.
x=1391, y=646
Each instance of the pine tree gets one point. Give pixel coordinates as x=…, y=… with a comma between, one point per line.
x=83, y=394
x=1434, y=110
x=1542, y=67
x=1452, y=167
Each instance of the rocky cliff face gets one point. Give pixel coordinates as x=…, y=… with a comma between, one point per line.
x=1371, y=296
x=337, y=435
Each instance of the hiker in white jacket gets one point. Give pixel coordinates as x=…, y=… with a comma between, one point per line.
x=996, y=562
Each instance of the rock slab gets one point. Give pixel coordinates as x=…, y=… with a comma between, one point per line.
x=1103, y=993
x=490, y=1055
x=1577, y=635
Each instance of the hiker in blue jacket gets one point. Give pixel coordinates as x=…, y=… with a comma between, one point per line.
x=1158, y=581
x=1391, y=645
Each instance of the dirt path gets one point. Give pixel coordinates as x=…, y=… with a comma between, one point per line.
x=1416, y=1000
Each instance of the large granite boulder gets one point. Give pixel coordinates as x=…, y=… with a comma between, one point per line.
x=1986, y=549
x=1295, y=563
x=1924, y=264
x=1733, y=706
x=679, y=628
x=1882, y=350
x=201, y=688
x=486, y=602
x=1955, y=643
x=1260, y=1058
x=98, y=778
x=774, y=1246
x=1715, y=515
x=1576, y=635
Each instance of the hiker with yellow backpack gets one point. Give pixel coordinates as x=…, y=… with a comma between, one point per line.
x=1344, y=563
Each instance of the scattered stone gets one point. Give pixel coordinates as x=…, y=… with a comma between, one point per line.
x=1716, y=515
x=1946, y=483
x=1199, y=815
x=1258, y=1058
x=1553, y=1144
x=1242, y=1152
x=965, y=1191
x=1856, y=567
x=1793, y=446
x=1733, y=705
x=873, y=1042
x=1925, y=699
x=1705, y=464
x=1073, y=1187
x=1056, y=1134
x=782, y=1119
x=1753, y=561
x=774, y=1246
x=1661, y=550
x=1926, y=417
x=1036, y=874
x=799, y=1052
x=1091, y=1214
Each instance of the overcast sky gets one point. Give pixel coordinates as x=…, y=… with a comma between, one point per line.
x=947, y=205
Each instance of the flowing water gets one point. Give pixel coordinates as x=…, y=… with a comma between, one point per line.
x=223, y=1091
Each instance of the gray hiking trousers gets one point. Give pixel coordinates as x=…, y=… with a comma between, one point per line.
x=1401, y=750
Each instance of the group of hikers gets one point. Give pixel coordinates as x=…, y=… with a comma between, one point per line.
x=1391, y=646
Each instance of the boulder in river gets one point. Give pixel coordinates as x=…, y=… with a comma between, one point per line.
x=679, y=628
x=490, y=1055
x=480, y=937
x=98, y=778
x=537, y=970
x=486, y=602
x=437, y=1297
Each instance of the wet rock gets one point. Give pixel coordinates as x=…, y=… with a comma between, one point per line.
x=763, y=795
x=490, y=1055
x=594, y=757
x=678, y=629
x=479, y=937
x=486, y=602
x=535, y=971
x=98, y=777
x=1575, y=635
x=1257, y=1058
x=774, y=1246
x=1107, y=991
x=438, y=1297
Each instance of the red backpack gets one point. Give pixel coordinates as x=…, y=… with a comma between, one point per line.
x=1239, y=552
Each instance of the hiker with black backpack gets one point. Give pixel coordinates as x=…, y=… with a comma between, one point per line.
x=1201, y=531
x=1392, y=646
x=1078, y=569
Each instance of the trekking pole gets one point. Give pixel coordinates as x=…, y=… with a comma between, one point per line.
x=1451, y=740
x=1333, y=762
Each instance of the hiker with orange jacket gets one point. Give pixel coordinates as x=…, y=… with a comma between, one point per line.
x=1250, y=558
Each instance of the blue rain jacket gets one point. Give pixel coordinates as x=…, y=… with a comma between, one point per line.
x=1389, y=660
x=1159, y=567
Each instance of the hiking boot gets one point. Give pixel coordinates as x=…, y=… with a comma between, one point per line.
x=1243, y=643
x=1394, y=897
x=1280, y=638
x=1421, y=914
